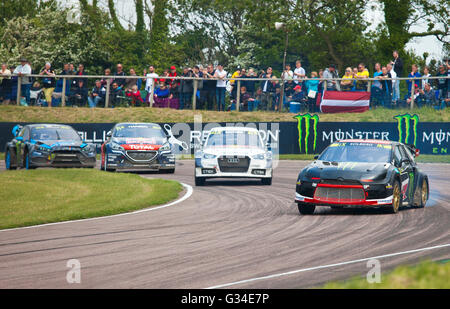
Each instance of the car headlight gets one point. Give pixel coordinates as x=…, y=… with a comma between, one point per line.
x=165, y=147
x=259, y=156
x=209, y=156
x=88, y=148
x=115, y=146
x=43, y=149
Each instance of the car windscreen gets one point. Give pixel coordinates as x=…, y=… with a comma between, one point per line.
x=130, y=131
x=357, y=152
x=55, y=133
x=234, y=138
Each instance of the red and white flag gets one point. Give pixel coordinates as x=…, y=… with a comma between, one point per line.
x=345, y=101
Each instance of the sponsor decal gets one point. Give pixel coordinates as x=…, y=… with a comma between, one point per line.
x=140, y=147
x=411, y=185
x=404, y=188
x=385, y=201
x=306, y=119
x=404, y=134
x=173, y=140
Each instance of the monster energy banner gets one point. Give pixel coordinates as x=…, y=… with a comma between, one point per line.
x=313, y=135
x=306, y=134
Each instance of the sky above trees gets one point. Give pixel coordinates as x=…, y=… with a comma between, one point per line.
x=374, y=14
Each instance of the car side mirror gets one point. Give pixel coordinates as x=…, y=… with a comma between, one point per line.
x=16, y=130
x=109, y=134
x=404, y=161
x=316, y=157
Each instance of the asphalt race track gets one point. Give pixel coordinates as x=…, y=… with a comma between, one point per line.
x=228, y=231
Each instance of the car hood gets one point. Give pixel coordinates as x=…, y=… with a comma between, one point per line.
x=59, y=143
x=233, y=151
x=346, y=170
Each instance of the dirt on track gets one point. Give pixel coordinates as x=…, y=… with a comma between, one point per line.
x=227, y=231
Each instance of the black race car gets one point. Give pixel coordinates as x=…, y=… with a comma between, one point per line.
x=138, y=147
x=48, y=145
x=363, y=173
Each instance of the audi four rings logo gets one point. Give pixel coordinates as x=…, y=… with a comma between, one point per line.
x=233, y=160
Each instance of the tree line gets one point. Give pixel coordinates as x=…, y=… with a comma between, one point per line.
x=232, y=32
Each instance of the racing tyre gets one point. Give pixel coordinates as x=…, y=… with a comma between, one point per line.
x=396, y=199
x=199, y=181
x=105, y=166
x=424, y=193
x=266, y=181
x=8, y=163
x=306, y=209
x=171, y=171
x=27, y=163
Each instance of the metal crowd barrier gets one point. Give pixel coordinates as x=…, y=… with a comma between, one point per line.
x=110, y=78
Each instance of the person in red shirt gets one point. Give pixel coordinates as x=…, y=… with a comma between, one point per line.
x=135, y=96
x=173, y=73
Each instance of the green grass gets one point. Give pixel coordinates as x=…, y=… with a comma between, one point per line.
x=307, y=157
x=12, y=113
x=31, y=197
x=426, y=275
x=433, y=159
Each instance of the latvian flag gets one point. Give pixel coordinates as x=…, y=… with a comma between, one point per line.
x=345, y=101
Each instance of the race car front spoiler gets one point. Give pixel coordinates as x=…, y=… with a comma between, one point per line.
x=375, y=202
x=214, y=172
x=160, y=161
x=55, y=159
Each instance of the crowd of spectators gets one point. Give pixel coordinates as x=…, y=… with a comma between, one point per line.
x=216, y=83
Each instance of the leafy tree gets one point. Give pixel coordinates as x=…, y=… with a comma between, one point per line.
x=17, y=8
x=320, y=33
x=401, y=16
x=219, y=20
x=48, y=37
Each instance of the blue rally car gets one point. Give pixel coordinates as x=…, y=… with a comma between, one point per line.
x=48, y=145
x=137, y=146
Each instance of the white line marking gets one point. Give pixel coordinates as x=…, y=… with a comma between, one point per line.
x=189, y=192
x=324, y=266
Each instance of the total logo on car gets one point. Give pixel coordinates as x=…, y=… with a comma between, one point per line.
x=233, y=152
x=137, y=146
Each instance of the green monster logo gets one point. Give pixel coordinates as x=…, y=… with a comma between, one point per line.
x=406, y=118
x=307, y=119
x=411, y=186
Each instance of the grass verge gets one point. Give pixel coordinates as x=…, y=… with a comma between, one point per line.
x=426, y=275
x=31, y=197
x=12, y=113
